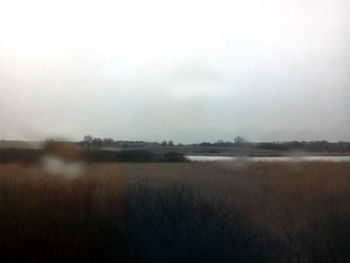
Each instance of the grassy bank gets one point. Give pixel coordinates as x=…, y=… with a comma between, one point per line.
x=32, y=156
x=177, y=212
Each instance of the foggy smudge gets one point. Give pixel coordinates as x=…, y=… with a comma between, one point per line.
x=62, y=159
x=59, y=167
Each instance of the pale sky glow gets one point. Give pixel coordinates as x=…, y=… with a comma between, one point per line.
x=189, y=71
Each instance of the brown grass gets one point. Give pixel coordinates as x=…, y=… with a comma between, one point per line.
x=181, y=212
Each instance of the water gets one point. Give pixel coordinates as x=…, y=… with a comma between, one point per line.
x=271, y=159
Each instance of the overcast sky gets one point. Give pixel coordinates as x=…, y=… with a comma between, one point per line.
x=189, y=71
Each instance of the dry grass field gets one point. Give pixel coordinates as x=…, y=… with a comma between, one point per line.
x=177, y=212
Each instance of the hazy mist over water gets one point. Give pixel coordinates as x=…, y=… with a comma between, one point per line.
x=188, y=71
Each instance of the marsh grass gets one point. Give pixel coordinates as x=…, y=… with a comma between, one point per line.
x=177, y=212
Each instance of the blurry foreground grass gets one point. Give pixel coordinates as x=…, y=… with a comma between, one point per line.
x=177, y=212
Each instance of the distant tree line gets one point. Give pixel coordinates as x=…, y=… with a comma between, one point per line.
x=313, y=146
x=238, y=142
x=90, y=142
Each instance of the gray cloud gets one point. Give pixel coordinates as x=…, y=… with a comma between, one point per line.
x=272, y=71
